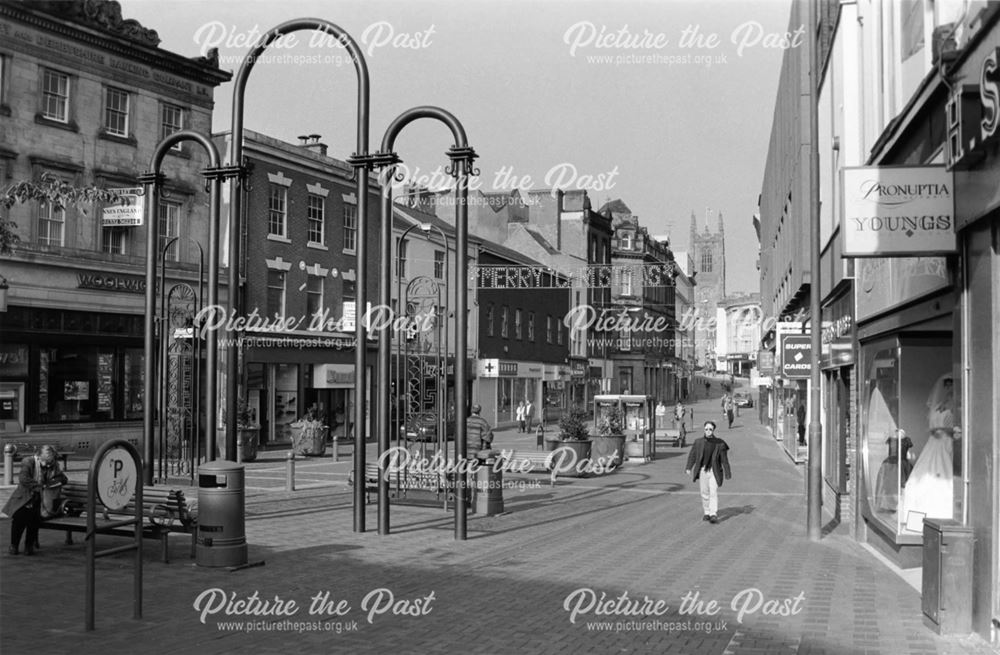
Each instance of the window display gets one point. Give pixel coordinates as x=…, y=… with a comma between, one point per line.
x=909, y=432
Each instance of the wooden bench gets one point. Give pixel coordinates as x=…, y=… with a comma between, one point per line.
x=404, y=480
x=518, y=461
x=163, y=510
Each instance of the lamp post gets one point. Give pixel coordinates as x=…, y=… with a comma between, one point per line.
x=462, y=157
x=151, y=181
x=361, y=163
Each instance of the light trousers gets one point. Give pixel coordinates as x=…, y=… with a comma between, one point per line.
x=709, y=492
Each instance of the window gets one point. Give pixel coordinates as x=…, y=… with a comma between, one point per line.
x=625, y=241
x=489, y=320
x=350, y=228
x=706, y=261
x=315, y=214
x=504, y=316
x=314, y=296
x=51, y=225
x=113, y=240
x=548, y=329
x=116, y=105
x=531, y=327
x=170, y=221
x=55, y=96
x=277, y=203
x=400, y=258
x=171, y=120
x=517, y=323
x=627, y=289
x=439, y=264
x=275, y=293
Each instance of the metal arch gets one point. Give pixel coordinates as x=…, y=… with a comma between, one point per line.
x=361, y=165
x=151, y=181
x=462, y=157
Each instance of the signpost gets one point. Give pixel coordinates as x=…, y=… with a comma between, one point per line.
x=127, y=214
x=114, y=478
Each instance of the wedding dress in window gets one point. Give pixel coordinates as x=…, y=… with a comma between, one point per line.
x=930, y=489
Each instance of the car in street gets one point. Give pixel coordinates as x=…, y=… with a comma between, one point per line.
x=743, y=399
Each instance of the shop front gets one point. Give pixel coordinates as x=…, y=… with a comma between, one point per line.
x=909, y=403
x=976, y=167
x=289, y=376
x=838, y=383
x=501, y=385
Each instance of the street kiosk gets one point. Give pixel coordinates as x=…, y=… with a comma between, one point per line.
x=637, y=422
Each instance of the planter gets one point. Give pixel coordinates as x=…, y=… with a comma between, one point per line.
x=552, y=442
x=571, y=465
x=309, y=438
x=610, y=447
x=248, y=441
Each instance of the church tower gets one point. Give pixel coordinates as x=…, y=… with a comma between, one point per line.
x=708, y=250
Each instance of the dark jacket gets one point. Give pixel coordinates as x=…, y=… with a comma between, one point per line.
x=720, y=460
x=28, y=485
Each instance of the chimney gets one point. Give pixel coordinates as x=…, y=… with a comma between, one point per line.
x=312, y=142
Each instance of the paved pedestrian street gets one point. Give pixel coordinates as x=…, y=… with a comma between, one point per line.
x=621, y=563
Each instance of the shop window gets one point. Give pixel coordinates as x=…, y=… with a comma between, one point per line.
x=911, y=433
x=76, y=384
x=134, y=381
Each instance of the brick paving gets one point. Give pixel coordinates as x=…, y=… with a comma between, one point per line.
x=629, y=537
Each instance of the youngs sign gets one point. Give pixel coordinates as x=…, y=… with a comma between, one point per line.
x=898, y=211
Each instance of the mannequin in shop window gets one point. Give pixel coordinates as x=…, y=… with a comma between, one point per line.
x=930, y=490
x=894, y=472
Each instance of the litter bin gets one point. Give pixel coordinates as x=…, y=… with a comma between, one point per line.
x=946, y=592
x=488, y=489
x=221, y=515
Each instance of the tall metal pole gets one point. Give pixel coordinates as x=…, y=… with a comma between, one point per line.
x=814, y=513
x=150, y=182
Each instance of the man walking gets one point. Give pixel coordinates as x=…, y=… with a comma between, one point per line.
x=478, y=433
x=728, y=407
x=709, y=459
x=529, y=410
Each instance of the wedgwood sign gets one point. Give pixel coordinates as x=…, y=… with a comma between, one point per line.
x=898, y=211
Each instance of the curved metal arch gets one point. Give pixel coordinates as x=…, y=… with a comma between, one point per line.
x=151, y=181
x=462, y=157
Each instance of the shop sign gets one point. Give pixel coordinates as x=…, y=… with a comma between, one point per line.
x=972, y=115
x=765, y=362
x=579, y=370
x=111, y=282
x=898, y=211
x=13, y=360
x=796, y=356
x=495, y=368
x=127, y=213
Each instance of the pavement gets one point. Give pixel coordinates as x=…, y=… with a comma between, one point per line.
x=618, y=563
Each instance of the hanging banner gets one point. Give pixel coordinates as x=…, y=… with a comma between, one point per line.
x=128, y=213
x=898, y=211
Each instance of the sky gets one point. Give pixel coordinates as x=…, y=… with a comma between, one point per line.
x=665, y=104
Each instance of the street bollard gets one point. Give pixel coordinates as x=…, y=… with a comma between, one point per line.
x=335, y=447
x=8, y=464
x=290, y=471
x=239, y=447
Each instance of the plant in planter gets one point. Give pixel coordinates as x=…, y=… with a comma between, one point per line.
x=574, y=435
x=610, y=442
x=248, y=430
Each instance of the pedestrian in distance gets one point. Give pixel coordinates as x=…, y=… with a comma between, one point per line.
x=709, y=459
x=728, y=408
x=520, y=417
x=478, y=433
x=40, y=475
x=800, y=418
x=529, y=410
